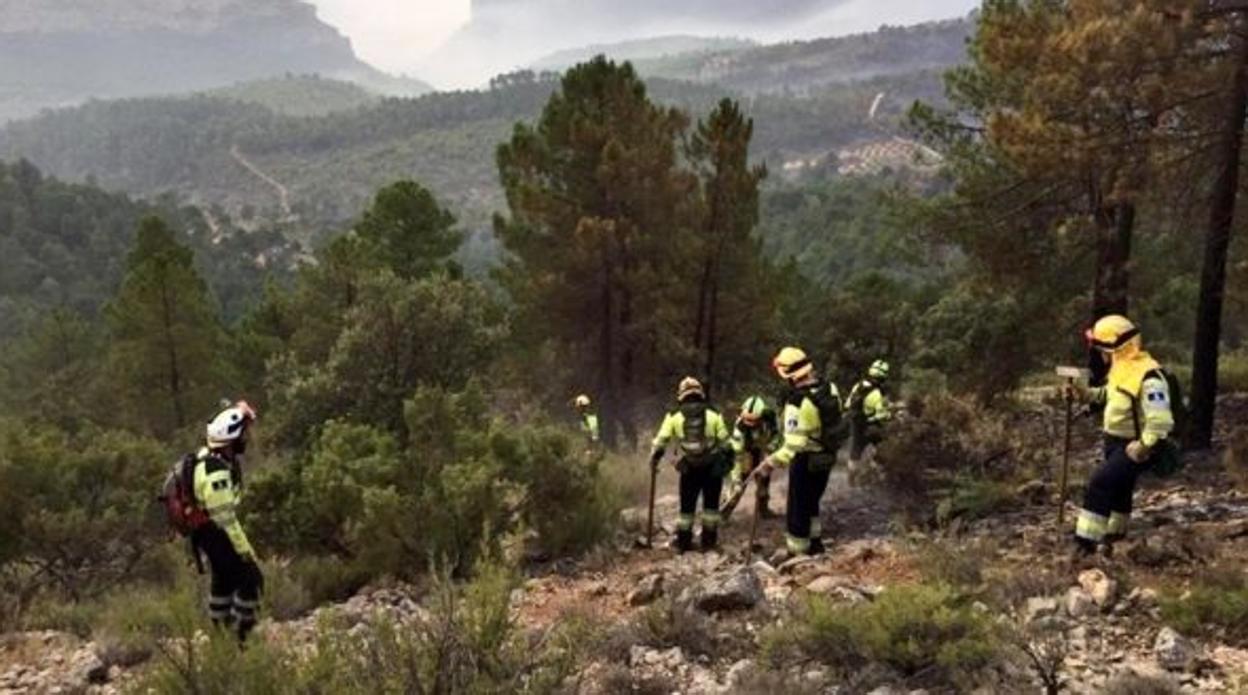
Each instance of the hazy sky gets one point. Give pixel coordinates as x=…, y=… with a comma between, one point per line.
x=399, y=35
x=394, y=34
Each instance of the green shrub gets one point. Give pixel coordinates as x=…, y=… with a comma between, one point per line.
x=942, y=563
x=952, y=459
x=668, y=624
x=907, y=628
x=1216, y=604
x=1233, y=372
x=365, y=504
x=76, y=514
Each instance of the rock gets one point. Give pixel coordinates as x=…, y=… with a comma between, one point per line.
x=1035, y=492
x=87, y=668
x=647, y=591
x=725, y=591
x=1100, y=587
x=826, y=584
x=1173, y=651
x=1079, y=603
x=739, y=672
x=1039, y=607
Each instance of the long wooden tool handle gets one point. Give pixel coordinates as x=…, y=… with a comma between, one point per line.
x=654, y=479
x=1061, y=509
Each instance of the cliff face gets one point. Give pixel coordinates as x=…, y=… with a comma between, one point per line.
x=61, y=52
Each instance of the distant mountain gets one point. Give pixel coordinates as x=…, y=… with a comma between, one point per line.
x=805, y=65
x=62, y=52
x=641, y=49
x=505, y=35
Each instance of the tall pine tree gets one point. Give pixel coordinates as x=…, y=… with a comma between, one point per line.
x=166, y=355
x=597, y=204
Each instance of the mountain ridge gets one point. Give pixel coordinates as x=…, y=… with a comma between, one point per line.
x=55, y=53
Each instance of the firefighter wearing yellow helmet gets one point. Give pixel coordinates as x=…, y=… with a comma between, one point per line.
x=1138, y=419
x=705, y=454
x=812, y=434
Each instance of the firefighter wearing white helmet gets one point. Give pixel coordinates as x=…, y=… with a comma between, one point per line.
x=589, y=419
x=236, y=578
x=869, y=410
x=705, y=455
x=1138, y=421
x=812, y=434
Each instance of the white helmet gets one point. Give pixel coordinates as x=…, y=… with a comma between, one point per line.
x=230, y=424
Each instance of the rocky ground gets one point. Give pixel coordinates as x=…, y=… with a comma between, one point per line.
x=1092, y=622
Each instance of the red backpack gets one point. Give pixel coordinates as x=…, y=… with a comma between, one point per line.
x=178, y=498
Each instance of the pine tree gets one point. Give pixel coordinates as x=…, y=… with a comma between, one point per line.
x=598, y=204
x=166, y=356
x=408, y=230
x=732, y=285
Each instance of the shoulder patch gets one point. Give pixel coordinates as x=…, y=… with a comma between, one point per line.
x=1155, y=393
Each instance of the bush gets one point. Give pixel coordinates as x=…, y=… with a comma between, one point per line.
x=1217, y=604
x=365, y=504
x=667, y=624
x=911, y=629
x=76, y=513
x=954, y=460
x=942, y=564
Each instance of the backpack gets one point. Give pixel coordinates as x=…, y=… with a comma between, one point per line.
x=177, y=497
x=695, y=447
x=1168, y=459
x=828, y=402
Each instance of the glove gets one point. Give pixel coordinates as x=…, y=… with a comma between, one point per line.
x=1138, y=452
x=764, y=469
x=655, y=459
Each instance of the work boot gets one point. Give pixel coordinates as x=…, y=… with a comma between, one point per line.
x=709, y=539
x=684, y=541
x=816, y=546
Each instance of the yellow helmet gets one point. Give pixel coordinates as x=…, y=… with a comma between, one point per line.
x=792, y=364
x=1112, y=333
x=689, y=387
x=581, y=401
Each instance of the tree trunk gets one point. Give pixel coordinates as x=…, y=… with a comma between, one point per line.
x=1114, y=226
x=171, y=348
x=1217, y=243
x=606, y=360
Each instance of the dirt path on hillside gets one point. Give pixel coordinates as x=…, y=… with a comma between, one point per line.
x=283, y=194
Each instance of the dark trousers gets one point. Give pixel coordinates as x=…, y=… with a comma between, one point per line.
x=808, y=479
x=705, y=481
x=236, y=582
x=1107, y=503
x=863, y=434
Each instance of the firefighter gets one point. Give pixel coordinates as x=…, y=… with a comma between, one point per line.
x=755, y=435
x=1137, y=421
x=705, y=454
x=869, y=411
x=589, y=419
x=812, y=434
x=236, y=578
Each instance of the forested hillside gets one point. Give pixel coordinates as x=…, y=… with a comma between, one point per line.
x=330, y=164
x=64, y=245
x=805, y=66
x=300, y=95
x=59, y=53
